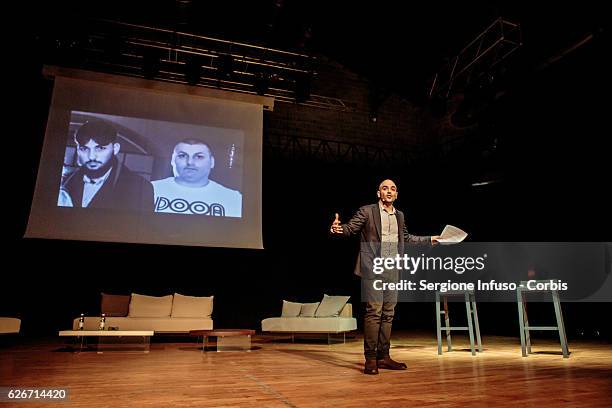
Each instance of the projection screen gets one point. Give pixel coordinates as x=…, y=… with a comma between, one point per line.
x=154, y=164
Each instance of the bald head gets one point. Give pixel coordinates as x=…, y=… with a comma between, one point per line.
x=386, y=182
x=387, y=192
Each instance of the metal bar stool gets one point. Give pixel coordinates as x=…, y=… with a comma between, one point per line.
x=470, y=310
x=524, y=322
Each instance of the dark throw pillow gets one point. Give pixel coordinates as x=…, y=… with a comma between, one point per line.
x=115, y=305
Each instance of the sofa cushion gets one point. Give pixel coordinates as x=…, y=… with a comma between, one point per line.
x=331, y=306
x=347, y=311
x=309, y=324
x=150, y=306
x=291, y=309
x=192, y=306
x=115, y=305
x=9, y=325
x=308, y=309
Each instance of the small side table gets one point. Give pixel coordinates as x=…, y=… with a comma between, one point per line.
x=103, y=335
x=227, y=339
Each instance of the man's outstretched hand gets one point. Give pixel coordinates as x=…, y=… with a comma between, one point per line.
x=335, y=227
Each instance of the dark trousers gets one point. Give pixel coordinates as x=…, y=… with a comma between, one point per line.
x=378, y=319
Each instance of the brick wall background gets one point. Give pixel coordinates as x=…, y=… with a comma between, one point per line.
x=400, y=123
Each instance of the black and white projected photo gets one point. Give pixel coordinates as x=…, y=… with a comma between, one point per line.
x=119, y=162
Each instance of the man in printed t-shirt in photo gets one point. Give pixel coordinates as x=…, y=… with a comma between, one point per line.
x=191, y=191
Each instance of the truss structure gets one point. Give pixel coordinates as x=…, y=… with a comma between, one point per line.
x=173, y=56
x=496, y=43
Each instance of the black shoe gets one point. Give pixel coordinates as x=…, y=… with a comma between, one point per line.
x=370, y=367
x=390, y=364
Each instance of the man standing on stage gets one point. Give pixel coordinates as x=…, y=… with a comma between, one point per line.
x=383, y=234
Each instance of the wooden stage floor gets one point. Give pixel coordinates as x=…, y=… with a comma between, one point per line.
x=315, y=374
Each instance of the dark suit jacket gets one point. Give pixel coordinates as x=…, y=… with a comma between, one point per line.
x=367, y=223
x=123, y=189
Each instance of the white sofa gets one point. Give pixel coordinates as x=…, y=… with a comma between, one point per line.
x=343, y=323
x=9, y=325
x=164, y=314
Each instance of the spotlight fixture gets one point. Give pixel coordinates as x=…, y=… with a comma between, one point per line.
x=151, y=62
x=303, y=84
x=112, y=46
x=193, y=70
x=225, y=67
x=261, y=83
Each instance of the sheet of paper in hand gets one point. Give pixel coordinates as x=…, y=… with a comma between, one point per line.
x=452, y=234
